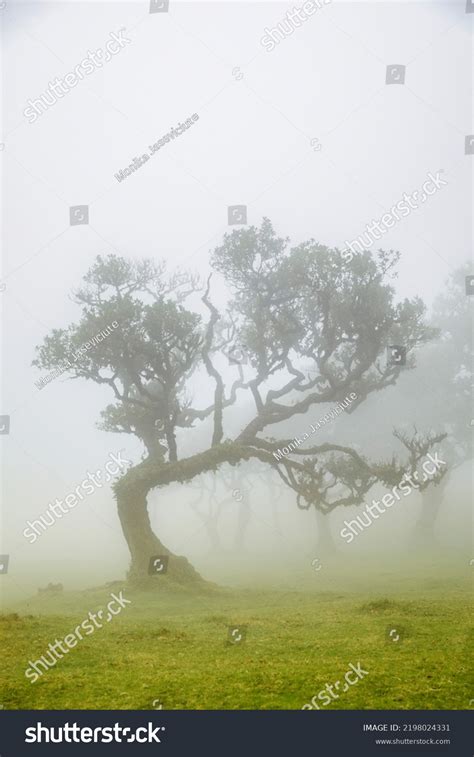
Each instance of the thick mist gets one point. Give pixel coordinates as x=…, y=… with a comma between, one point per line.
x=309, y=135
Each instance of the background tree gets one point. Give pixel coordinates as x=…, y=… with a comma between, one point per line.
x=231, y=491
x=436, y=397
x=444, y=380
x=302, y=328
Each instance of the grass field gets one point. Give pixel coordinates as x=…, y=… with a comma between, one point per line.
x=170, y=649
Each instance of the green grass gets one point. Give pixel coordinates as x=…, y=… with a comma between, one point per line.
x=172, y=648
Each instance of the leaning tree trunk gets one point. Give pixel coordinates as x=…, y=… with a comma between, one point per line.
x=145, y=546
x=131, y=492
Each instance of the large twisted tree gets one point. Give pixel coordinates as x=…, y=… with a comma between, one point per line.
x=301, y=328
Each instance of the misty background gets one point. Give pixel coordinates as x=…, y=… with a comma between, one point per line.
x=253, y=145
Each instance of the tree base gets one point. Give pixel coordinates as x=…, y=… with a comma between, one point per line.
x=165, y=567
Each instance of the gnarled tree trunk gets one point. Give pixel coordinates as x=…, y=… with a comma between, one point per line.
x=145, y=546
x=131, y=492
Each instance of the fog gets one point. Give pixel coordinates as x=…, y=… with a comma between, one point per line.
x=310, y=137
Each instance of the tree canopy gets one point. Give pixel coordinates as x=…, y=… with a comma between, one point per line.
x=301, y=328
